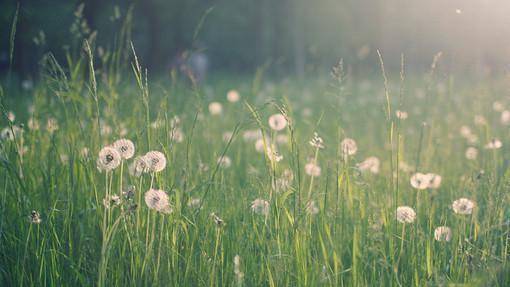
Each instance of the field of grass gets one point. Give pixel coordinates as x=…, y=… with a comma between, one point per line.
x=247, y=198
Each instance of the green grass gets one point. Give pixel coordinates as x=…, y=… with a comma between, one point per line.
x=354, y=239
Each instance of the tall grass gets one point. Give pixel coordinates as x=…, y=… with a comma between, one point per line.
x=353, y=240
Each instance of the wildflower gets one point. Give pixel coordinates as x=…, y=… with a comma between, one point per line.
x=10, y=116
x=176, y=135
x=108, y=159
x=401, y=114
x=233, y=96
x=157, y=199
x=125, y=147
x=140, y=165
x=311, y=208
x=405, y=214
x=156, y=160
x=10, y=133
x=273, y=155
x=463, y=206
x=465, y=131
x=471, y=153
x=224, y=161
x=434, y=180
x=494, y=144
x=312, y=169
x=420, y=181
x=348, y=147
x=215, y=108
x=505, y=117
x=112, y=200
x=277, y=122
x=443, y=233
x=217, y=220
x=129, y=192
x=260, y=206
x=371, y=164
x=34, y=217
x=52, y=125
x=317, y=142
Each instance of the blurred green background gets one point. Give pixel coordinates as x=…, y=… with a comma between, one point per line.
x=291, y=37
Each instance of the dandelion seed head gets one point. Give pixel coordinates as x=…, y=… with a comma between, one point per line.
x=125, y=147
x=348, y=147
x=463, y=206
x=139, y=166
x=215, y=108
x=157, y=199
x=224, y=161
x=401, y=114
x=277, y=122
x=108, y=159
x=371, y=164
x=405, y=214
x=312, y=169
x=471, y=153
x=156, y=160
x=233, y=96
x=494, y=144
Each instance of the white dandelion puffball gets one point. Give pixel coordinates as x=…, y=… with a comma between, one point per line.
x=140, y=165
x=125, y=147
x=498, y=106
x=224, y=161
x=465, y=131
x=505, y=117
x=156, y=160
x=215, y=109
x=348, y=147
x=273, y=155
x=463, y=206
x=371, y=164
x=420, y=181
x=471, y=153
x=277, y=122
x=157, y=199
x=405, y=214
x=494, y=144
x=233, y=96
x=252, y=135
x=443, y=233
x=434, y=180
x=312, y=169
x=260, y=206
x=401, y=114
x=10, y=134
x=108, y=159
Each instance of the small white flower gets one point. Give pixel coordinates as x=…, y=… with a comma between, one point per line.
x=277, y=122
x=405, y=214
x=260, y=206
x=125, y=147
x=420, y=181
x=273, y=155
x=463, y=206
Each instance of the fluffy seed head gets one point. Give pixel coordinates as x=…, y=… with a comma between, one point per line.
x=260, y=206
x=277, y=122
x=348, y=147
x=463, y=206
x=108, y=159
x=125, y=147
x=233, y=96
x=215, y=109
x=405, y=214
x=156, y=160
x=157, y=199
x=443, y=233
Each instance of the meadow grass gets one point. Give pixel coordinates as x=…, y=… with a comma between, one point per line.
x=215, y=234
